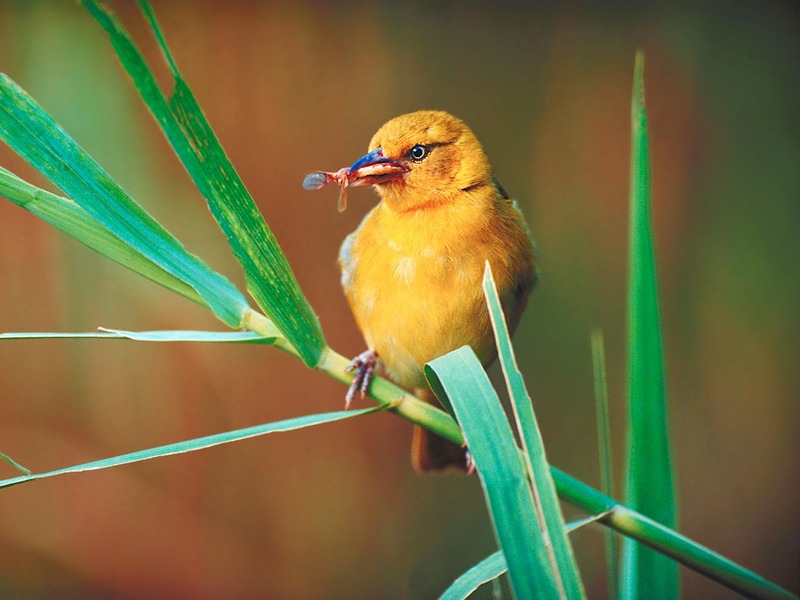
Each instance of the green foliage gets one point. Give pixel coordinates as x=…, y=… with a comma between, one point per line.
x=70, y=218
x=492, y=567
x=195, y=444
x=14, y=464
x=460, y=376
x=34, y=135
x=604, y=451
x=519, y=488
x=269, y=278
x=545, y=497
x=518, y=485
x=650, y=485
x=172, y=335
x=485, y=571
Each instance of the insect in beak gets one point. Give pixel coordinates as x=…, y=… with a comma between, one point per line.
x=371, y=169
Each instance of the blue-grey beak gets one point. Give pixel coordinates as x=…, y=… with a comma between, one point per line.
x=374, y=168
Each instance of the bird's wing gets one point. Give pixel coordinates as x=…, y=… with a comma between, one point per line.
x=347, y=262
x=500, y=190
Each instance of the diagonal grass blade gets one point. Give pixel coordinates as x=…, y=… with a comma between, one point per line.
x=175, y=335
x=34, y=135
x=562, y=559
x=247, y=337
x=197, y=444
x=269, y=278
x=63, y=214
x=508, y=495
x=650, y=481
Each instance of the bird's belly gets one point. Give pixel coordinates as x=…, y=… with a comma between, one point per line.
x=414, y=308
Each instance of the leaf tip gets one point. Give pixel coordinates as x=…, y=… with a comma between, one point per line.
x=638, y=82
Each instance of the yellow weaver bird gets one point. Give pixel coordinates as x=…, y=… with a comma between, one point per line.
x=412, y=271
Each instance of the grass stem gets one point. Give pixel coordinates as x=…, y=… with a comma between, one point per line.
x=620, y=518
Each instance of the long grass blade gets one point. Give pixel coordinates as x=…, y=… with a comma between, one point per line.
x=551, y=520
x=269, y=278
x=65, y=215
x=247, y=337
x=197, y=444
x=650, y=481
x=490, y=440
x=175, y=335
x=604, y=451
x=36, y=137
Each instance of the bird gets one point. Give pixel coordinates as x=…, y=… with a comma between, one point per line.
x=412, y=270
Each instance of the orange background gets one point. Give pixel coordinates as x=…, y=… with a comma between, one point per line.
x=335, y=511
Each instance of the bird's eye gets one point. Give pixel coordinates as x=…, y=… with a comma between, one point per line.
x=418, y=152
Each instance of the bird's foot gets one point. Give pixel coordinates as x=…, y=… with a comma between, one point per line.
x=364, y=366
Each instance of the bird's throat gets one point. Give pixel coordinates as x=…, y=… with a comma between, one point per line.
x=401, y=198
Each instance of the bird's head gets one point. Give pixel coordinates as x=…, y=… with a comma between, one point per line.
x=422, y=159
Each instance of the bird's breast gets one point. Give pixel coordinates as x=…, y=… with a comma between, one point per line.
x=413, y=282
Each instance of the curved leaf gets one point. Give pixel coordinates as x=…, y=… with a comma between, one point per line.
x=508, y=495
x=489, y=568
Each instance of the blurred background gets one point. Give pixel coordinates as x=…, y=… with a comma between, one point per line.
x=336, y=511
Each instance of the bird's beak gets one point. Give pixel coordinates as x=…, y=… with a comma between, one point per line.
x=374, y=169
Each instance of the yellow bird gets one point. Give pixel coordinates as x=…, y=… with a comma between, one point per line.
x=412, y=271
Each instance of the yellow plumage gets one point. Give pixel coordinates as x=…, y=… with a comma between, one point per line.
x=412, y=271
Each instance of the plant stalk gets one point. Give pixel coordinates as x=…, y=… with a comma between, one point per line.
x=619, y=517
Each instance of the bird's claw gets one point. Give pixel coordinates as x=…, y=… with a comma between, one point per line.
x=364, y=367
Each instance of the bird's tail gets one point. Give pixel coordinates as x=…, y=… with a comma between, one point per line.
x=431, y=453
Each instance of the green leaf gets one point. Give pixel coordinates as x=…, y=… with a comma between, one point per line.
x=604, y=451
x=197, y=444
x=489, y=568
x=175, y=335
x=650, y=481
x=36, y=137
x=694, y=555
x=14, y=464
x=65, y=215
x=55, y=335
x=548, y=509
x=575, y=525
x=269, y=278
x=493, y=566
x=247, y=337
x=508, y=495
